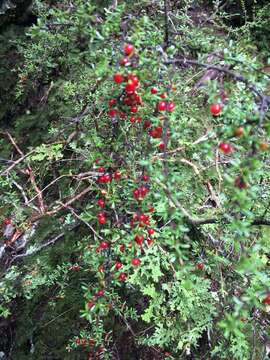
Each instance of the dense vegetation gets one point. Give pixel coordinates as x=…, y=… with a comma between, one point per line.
x=134, y=180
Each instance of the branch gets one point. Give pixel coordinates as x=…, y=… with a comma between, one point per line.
x=204, y=221
x=43, y=246
x=265, y=100
x=166, y=36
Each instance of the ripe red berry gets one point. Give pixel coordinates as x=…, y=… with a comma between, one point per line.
x=215, y=109
x=112, y=113
x=118, y=78
x=143, y=191
x=134, y=109
x=132, y=119
x=240, y=183
x=7, y=222
x=90, y=304
x=124, y=61
x=104, y=245
x=146, y=124
x=135, y=262
x=266, y=300
x=200, y=266
x=102, y=220
x=161, y=106
x=154, y=90
x=143, y=217
x=101, y=170
x=139, y=239
x=151, y=231
x=130, y=87
x=145, y=178
x=118, y=265
x=163, y=95
x=134, y=79
x=156, y=133
x=170, y=106
x=117, y=175
x=101, y=269
x=122, y=277
x=128, y=49
x=78, y=341
x=122, y=248
x=100, y=293
x=150, y=241
x=136, y=193
x=112, y=102
x=161, y=146
x=101, y=203
x=225, y=148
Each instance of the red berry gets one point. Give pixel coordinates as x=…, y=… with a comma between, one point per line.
x=161, y=146
x=7, y=222
x=215, y=109
x=102, y=220
x=130, y=87
x=143, y=191
x=128, y=49
x=101, y=269
x=150, y=241
x=104, y=245
x=170, y=106
x=124, y=61
x=100, y=293
x=101, y=170
x=112, y=102
x=266, y=300
x=78, y=341
x=240, y=183
x=132, y=119
x=146, y=124
x=225, y=148
x=200, y=266
x=134, y=109
x=135, y=262
x=118, y=265
x=122, y=248
x=151, y=231
x=142, y=217
x=122, y=277
x=134, y=79
x=117, y=175
x=106, y=178
x=154, y=90
x=136, y=193
x=145, y=178
x=101, y=203
x=156, y=133
x=163, y=95
x=98, y=249
x=139, y=239
x=112, y=113
x=118, y=78
x=90, y=304
x=161, y=106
